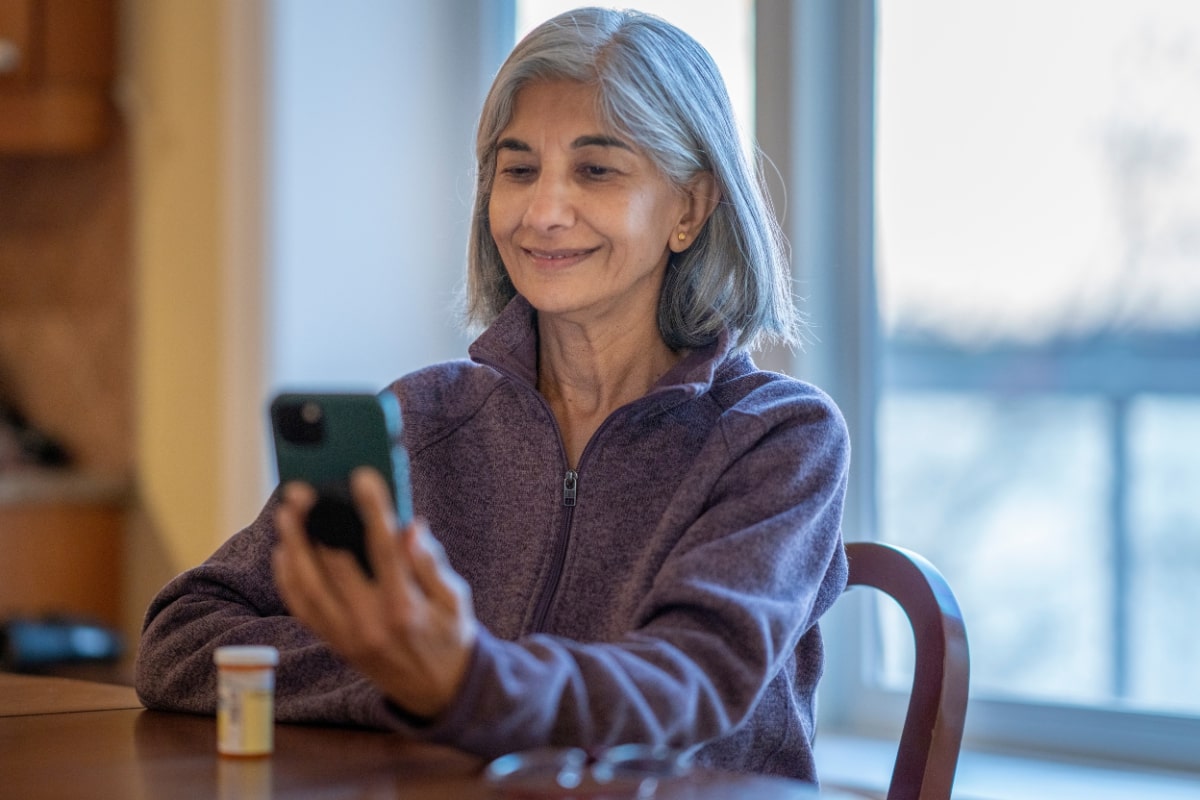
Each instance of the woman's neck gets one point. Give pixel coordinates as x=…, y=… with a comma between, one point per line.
x=585, y=375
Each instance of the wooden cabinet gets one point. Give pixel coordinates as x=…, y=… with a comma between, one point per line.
x=61, y=557
x=57, y=61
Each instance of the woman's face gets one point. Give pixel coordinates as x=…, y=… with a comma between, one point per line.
x=584, y=221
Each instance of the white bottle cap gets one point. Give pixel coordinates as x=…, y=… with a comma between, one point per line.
x=246, y=656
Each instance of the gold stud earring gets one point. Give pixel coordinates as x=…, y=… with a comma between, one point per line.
x=682, y=236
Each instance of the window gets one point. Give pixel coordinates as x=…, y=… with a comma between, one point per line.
x=995, y=223
x=995, y=216
x=1038, y=265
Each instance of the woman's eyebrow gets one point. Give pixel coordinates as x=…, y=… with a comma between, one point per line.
x=597, y=140
x=589, y=140
x=510, y=143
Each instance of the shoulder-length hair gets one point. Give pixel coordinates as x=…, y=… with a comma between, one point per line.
x=659, y=88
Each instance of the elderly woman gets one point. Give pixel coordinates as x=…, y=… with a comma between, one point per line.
x=627, y=532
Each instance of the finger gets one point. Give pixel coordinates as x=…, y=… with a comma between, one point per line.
x=431, y=569
x=303, y=571
x=347, y=591
x=295, y=577
x=312, y=595
x=291, y=515
x=291, y=588
x=302, y=496
x=296, y=500
x=375, y=506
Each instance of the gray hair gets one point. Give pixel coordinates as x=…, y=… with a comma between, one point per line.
x=659, y=88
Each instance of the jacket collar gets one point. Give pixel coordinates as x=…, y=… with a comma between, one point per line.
x=510, y=345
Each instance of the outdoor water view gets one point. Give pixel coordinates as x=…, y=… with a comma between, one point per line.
x=1038, y=257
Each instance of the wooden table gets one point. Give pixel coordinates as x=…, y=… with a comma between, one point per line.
x=23, y=695
x=67, y=739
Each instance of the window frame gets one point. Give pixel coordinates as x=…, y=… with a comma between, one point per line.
x=815, y=122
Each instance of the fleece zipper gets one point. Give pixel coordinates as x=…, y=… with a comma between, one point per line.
x=570, y=486
x=559, y=557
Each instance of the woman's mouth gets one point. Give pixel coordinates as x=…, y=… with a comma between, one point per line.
x=557, y=258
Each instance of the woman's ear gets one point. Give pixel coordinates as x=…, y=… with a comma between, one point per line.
x=702, y=196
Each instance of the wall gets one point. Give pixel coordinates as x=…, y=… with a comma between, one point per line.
x=371, y=176
x=172, y=96
x=301, y=190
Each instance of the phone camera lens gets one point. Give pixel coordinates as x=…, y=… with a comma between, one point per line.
x=301, y=423
x=310, y=413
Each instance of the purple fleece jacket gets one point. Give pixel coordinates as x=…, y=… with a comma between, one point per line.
x=674, y=600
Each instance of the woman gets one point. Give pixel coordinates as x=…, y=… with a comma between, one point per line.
x=629, y=531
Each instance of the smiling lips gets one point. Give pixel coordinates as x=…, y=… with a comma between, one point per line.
x=558, y=258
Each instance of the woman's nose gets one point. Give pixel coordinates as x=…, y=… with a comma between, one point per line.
x=550, y=205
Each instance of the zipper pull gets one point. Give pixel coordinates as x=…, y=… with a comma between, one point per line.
x=569, y=484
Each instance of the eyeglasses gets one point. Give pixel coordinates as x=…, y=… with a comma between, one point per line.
x=628, y=771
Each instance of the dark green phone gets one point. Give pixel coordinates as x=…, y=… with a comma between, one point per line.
x=320, y=438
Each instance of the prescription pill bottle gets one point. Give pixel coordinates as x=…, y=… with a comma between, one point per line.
x=245, y=700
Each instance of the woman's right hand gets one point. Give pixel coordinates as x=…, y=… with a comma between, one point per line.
x=411, y=630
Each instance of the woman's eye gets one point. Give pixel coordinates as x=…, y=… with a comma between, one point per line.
x=595, y=171
x=518, y=171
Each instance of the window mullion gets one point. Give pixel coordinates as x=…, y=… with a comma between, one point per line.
x=1121, y=546
x=815, y=123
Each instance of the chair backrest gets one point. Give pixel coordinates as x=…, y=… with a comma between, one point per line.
x=933, y=726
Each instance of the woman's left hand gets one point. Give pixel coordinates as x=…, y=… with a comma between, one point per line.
x=411, y=630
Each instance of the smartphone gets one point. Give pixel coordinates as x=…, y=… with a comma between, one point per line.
x=320, y=438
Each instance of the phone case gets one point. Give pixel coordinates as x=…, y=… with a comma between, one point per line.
x=320, y=438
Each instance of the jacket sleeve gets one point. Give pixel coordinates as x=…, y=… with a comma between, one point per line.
x=231, y=599
x=747, y=580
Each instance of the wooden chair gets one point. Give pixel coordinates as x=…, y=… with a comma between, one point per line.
x=933, y=726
